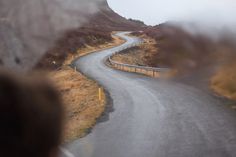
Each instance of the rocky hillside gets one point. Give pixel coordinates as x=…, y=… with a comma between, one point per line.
x=109, y=19
x=29, y=28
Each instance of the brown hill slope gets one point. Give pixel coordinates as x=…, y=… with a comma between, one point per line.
x=199, y=56
x=97, y=30
x=178, y=48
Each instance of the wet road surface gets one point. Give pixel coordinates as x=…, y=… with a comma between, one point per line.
x=154, y=117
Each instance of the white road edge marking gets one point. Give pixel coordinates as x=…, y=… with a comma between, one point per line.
x=66, y=152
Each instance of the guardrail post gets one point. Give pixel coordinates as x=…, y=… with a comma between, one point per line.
x=100, y=95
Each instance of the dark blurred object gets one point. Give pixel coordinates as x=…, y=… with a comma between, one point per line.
x=31, y=117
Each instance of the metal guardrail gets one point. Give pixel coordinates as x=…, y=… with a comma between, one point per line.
x=150, y=71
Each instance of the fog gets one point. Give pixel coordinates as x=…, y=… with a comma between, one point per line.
x=208, y=14
x=29, y=27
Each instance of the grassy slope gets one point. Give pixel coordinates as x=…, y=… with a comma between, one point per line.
x=81, y=99
x=179, y=49
x=224, y=81
x=139, y=55
x=71, y=42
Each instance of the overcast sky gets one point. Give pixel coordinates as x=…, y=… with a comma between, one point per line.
x=153, y=12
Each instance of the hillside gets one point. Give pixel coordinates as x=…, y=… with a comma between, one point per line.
x=97, y=30
x=30, y=29
x=177, y=47
x=109, y=19
x=197, y=56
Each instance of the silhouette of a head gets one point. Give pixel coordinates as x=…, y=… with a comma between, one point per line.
x=30, y=117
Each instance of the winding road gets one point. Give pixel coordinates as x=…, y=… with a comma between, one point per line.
x=154, y=117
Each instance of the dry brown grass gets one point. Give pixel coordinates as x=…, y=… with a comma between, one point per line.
x=90, y=49
x=224, y=82
x=82, y=103
x=142, y=55
x=80, y=95
x=139, y=55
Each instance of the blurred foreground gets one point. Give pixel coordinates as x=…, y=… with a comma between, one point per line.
x=31, y=116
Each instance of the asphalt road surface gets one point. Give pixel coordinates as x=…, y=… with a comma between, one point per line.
x=154, y=117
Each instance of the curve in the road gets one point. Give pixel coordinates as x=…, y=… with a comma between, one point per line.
x=155, y=118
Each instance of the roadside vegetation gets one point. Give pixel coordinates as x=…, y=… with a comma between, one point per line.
x=224, y=81
x=81, y=101
x=71, y=42
x=139, y=55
